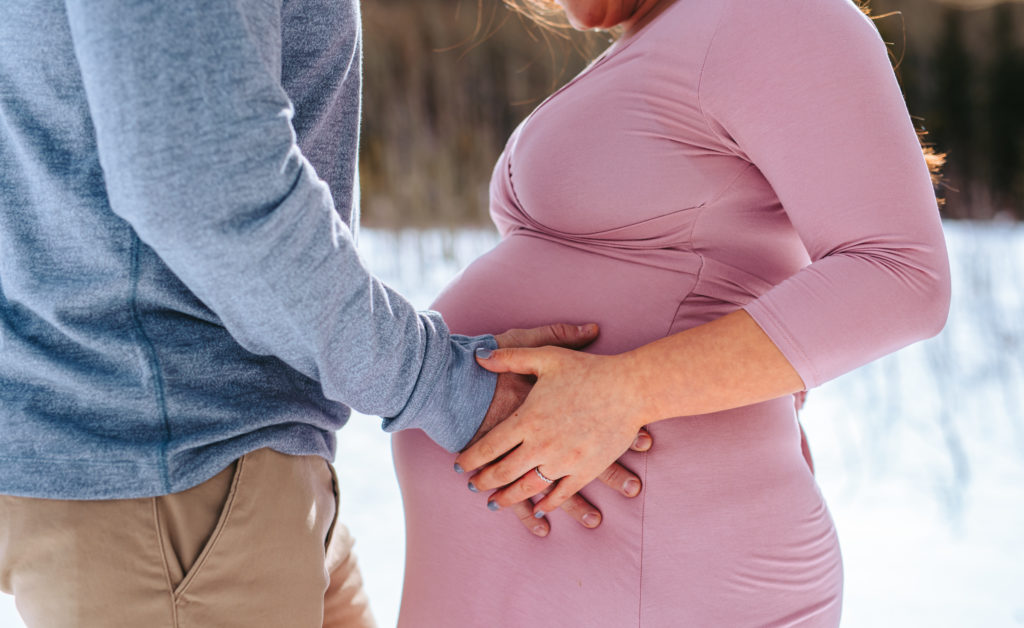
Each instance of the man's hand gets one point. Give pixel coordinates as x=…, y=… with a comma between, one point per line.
x=512, y=389
x=799, y=399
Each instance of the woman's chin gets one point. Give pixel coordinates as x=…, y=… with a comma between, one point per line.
x=585, y=20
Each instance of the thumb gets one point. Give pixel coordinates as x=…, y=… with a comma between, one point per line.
x=522, y=361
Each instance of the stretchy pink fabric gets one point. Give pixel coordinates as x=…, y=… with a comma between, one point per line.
x=731, y=154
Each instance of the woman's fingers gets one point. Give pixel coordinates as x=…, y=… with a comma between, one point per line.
x=564, y=489
x=532, y=484
x=574, y=424
x=495, y=444
x=509, y=469
x=538, y=526
x=523, y=488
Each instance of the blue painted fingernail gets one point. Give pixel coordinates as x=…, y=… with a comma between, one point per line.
x=539, y=514
x=473, y=487
x=493, y=505
x=483, y=353
x=458, y=468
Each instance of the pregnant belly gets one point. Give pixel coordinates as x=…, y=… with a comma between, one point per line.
x=727, y=497
x=528, y=281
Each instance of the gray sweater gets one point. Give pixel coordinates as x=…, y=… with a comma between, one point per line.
x=179, y=283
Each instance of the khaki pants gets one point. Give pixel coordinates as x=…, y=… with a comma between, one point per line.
x=257, y=545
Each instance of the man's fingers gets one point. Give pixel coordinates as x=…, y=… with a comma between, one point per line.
x=560, y=334
x=524, y=511
x=583, y=511
x=643, y=441
x=799, y=400
x=621, y=479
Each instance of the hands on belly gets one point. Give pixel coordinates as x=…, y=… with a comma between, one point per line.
x=585, y=410
x=512, y=389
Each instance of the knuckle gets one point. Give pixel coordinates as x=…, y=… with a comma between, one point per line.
x=503, y=476
x=565, y=492
x=614, y=474
x=487, y=450
x=524, y=513
x=574, y=506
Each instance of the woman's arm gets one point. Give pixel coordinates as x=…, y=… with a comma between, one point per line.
x=805, y=92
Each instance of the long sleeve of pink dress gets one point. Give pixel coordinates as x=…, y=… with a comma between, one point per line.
x=751, y=154
x=831, y=136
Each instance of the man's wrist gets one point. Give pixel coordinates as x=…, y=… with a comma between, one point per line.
x=471, y=392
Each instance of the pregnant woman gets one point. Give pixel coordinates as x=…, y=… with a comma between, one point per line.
x=735, y=192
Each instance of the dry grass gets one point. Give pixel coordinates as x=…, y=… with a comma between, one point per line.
x=446, y=81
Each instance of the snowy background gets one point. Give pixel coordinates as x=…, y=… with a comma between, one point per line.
x=920, y=455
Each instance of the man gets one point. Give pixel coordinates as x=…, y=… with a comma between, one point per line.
x=183, y=314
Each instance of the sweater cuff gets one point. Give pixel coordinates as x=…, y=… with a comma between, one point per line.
x=457, y=405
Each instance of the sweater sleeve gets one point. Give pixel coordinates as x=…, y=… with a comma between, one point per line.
x=199, y=155
x=805, y=91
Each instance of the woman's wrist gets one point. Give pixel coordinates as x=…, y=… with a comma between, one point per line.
x=639, y=388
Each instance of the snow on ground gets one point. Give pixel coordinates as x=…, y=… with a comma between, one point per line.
x=920, y=455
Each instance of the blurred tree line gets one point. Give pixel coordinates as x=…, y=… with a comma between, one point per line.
x=962, y=71
x=446, y=81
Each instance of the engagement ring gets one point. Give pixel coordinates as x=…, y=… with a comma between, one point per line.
x=542, y=476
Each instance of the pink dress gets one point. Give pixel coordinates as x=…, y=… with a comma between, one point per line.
x=732, y=154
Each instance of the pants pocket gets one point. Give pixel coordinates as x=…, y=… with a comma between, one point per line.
x=263, y=563
x=190, y=522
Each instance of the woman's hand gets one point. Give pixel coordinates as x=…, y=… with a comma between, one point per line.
x=512, y=390
x=583, y=413
x=615, y=477
x=585, y=409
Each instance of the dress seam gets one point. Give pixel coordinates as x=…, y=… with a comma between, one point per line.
x=700, y=79
x=689, y=293
x=691, y=238
x=640, y=588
